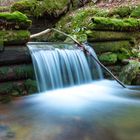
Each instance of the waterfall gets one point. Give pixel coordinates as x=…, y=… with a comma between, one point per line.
x=59, y=68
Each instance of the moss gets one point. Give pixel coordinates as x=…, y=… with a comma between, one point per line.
x=130, y=72
x=111, y=46
x=103, y=23
x=77, y=22
x=4, y=8
x=40, y=7
x=108, y=58
x=15, y=36
x=108, y=36
x=136, y=12
x=15, y=17
x=31, y=86
x=25, y=71
x=122, y=11
x=16, y=72
x=124, y=54
x=1, y=43
x=23, y=6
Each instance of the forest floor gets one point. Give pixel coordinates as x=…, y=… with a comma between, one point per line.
x=102, y=4
x=116, y=3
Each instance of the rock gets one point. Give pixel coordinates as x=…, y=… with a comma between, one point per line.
x=130, y=72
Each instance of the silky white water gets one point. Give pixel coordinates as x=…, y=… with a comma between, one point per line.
x=59, y=68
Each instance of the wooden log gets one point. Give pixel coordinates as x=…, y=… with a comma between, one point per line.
x=95, y=36
x=18, y=88
x=15, y=37
x=15, y=55
x=111, y=46
x=16, y=72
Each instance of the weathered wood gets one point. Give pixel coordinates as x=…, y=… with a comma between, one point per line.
x=17, y=88
x=15, y=55
x=16, y=72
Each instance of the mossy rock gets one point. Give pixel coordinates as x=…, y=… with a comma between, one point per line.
x=114, y=24
x=15, y=37
x=111, y=46
x=130, y=72
x=37, y=8
x=108, y=58
x=136, y=12
x=16, y=72
x=15, y=20
x=17, y=88
x=94, y=36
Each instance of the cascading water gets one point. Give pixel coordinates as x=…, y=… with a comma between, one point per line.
x=58, y=68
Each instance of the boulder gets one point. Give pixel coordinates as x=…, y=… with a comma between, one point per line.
x=129, y=73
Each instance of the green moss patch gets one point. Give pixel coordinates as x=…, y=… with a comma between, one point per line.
x=15, y=37
x=4, y=8
x=108, y=58
x=136, y=12
x=15, y=20
x=108, y=36
x=16, y=72
x=114, y=24
x=122, y=11
x=38, y=8
x=111, y=46
x=15, y=17
x=17, y=88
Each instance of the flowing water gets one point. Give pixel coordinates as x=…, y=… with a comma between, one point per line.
x=98, y=110
x=59, y=68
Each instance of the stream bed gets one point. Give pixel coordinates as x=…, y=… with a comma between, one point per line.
x=101, y=110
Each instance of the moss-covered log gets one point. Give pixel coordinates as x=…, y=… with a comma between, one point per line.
x=17, y=88
x=114, y=24
x=15, y=55
x=4, y=8
x=94, y=36
x=15, y=37
x=111, y=46
x=16, y=72
x=15, y=20
x=36, y=8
